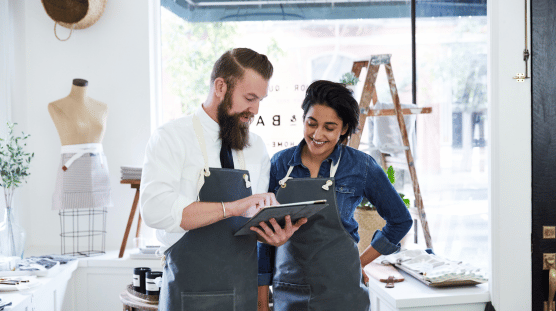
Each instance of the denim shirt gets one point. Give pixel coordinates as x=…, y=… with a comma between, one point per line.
x=358, y=176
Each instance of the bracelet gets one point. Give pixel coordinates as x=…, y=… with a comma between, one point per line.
x=224, y=209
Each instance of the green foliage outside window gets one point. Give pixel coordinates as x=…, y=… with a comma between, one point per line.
x=190, y=50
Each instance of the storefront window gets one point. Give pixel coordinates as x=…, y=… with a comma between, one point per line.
x=450, y=143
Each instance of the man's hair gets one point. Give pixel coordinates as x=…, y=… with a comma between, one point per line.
x=337, y=97
x=232, y=64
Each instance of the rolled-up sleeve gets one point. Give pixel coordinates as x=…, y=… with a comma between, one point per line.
x=161, y=202
x=380, y=192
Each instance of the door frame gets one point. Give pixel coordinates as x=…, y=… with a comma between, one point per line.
x=509, y=158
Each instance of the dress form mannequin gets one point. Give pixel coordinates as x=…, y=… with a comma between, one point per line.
x=82, y=190
x=79, y=119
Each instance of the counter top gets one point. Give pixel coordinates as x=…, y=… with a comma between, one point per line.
x=25, y=297
x=413, y=293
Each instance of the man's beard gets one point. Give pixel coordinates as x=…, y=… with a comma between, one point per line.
x=233, y=131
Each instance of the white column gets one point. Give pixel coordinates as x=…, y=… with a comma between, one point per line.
x=510, y=158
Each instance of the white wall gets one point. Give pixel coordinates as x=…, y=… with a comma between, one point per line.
x=6, y=64
x=510, y=158
x=113, y=55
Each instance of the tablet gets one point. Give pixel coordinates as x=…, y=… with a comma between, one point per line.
x=296, y=210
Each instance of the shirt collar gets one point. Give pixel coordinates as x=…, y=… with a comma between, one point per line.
x=211, y=127
x=296, y=157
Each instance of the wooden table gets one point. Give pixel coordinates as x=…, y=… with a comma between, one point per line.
x=132, y=304
x=135, y=184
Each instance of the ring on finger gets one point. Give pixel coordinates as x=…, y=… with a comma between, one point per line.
x=271, y=235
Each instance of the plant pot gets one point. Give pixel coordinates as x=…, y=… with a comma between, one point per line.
x=12, y=236
x=369, y=221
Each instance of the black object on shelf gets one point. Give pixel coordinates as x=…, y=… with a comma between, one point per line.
x=151, y=282
x=139, y=276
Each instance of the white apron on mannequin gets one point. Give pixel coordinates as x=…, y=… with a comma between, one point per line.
x=82, y=179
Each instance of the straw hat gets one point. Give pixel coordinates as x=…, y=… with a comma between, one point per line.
x=74, y=14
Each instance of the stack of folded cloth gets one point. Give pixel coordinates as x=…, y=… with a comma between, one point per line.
x=131, y=172
x=433, y=268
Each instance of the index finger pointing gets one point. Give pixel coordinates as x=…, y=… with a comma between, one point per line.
x=273, y=200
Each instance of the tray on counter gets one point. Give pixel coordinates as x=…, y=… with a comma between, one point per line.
x=447, y=283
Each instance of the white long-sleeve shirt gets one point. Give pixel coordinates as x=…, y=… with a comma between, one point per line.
x=173, y=162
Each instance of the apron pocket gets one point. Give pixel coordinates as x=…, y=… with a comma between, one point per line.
x=202, y=301
x=291, y=297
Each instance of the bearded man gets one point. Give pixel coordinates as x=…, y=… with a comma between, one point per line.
x=203, y=174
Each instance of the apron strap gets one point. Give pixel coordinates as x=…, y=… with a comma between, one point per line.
x=205, y=172
x=201, y=139
x=241, y=159
x=71, y=160
x=79, y=150
x=333, y=169
x=282, y=181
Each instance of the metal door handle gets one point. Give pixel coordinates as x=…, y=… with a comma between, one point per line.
x=551, y=283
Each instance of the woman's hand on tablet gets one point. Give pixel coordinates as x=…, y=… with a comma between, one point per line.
x=277, y=236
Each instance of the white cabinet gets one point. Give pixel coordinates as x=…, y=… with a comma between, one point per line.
x=53, y=294
x=86, y=284
x=100, y=280
x=412, y=295
x=92, y=284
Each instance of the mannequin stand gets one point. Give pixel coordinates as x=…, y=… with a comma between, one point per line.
x=83, y=231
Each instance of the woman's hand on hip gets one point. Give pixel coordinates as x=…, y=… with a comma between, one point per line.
x=277, y=236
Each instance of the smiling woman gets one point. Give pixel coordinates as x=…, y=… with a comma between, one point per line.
x=331, y=267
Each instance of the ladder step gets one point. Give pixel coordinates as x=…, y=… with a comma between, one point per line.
x=392, y=112
x=382, y=59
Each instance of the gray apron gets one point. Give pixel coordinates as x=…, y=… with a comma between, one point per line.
x=319, y=267
x=209, y=268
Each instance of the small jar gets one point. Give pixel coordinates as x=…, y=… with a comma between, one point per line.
x=139, y=275
x=153, y=280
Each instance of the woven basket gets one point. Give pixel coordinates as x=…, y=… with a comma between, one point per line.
x=369, y=221
x=74, y=14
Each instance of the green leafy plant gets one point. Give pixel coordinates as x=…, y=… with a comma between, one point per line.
x=349, y=78
x=14, y=162
x=391, y=173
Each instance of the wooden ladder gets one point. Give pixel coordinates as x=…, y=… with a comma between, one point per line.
x=369, y=94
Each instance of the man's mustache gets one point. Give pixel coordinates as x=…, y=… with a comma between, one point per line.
x=245, y=114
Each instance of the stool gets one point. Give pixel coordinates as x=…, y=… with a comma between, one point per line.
x=132, y=304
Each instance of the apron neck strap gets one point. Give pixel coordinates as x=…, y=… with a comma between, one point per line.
x=333, y=169
x=201, y=139
x=198, y=127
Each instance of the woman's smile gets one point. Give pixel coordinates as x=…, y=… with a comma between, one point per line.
x=318, y=143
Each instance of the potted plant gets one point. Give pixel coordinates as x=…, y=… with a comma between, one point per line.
x=368, y=218
x=350, y=80
x=14, y=169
